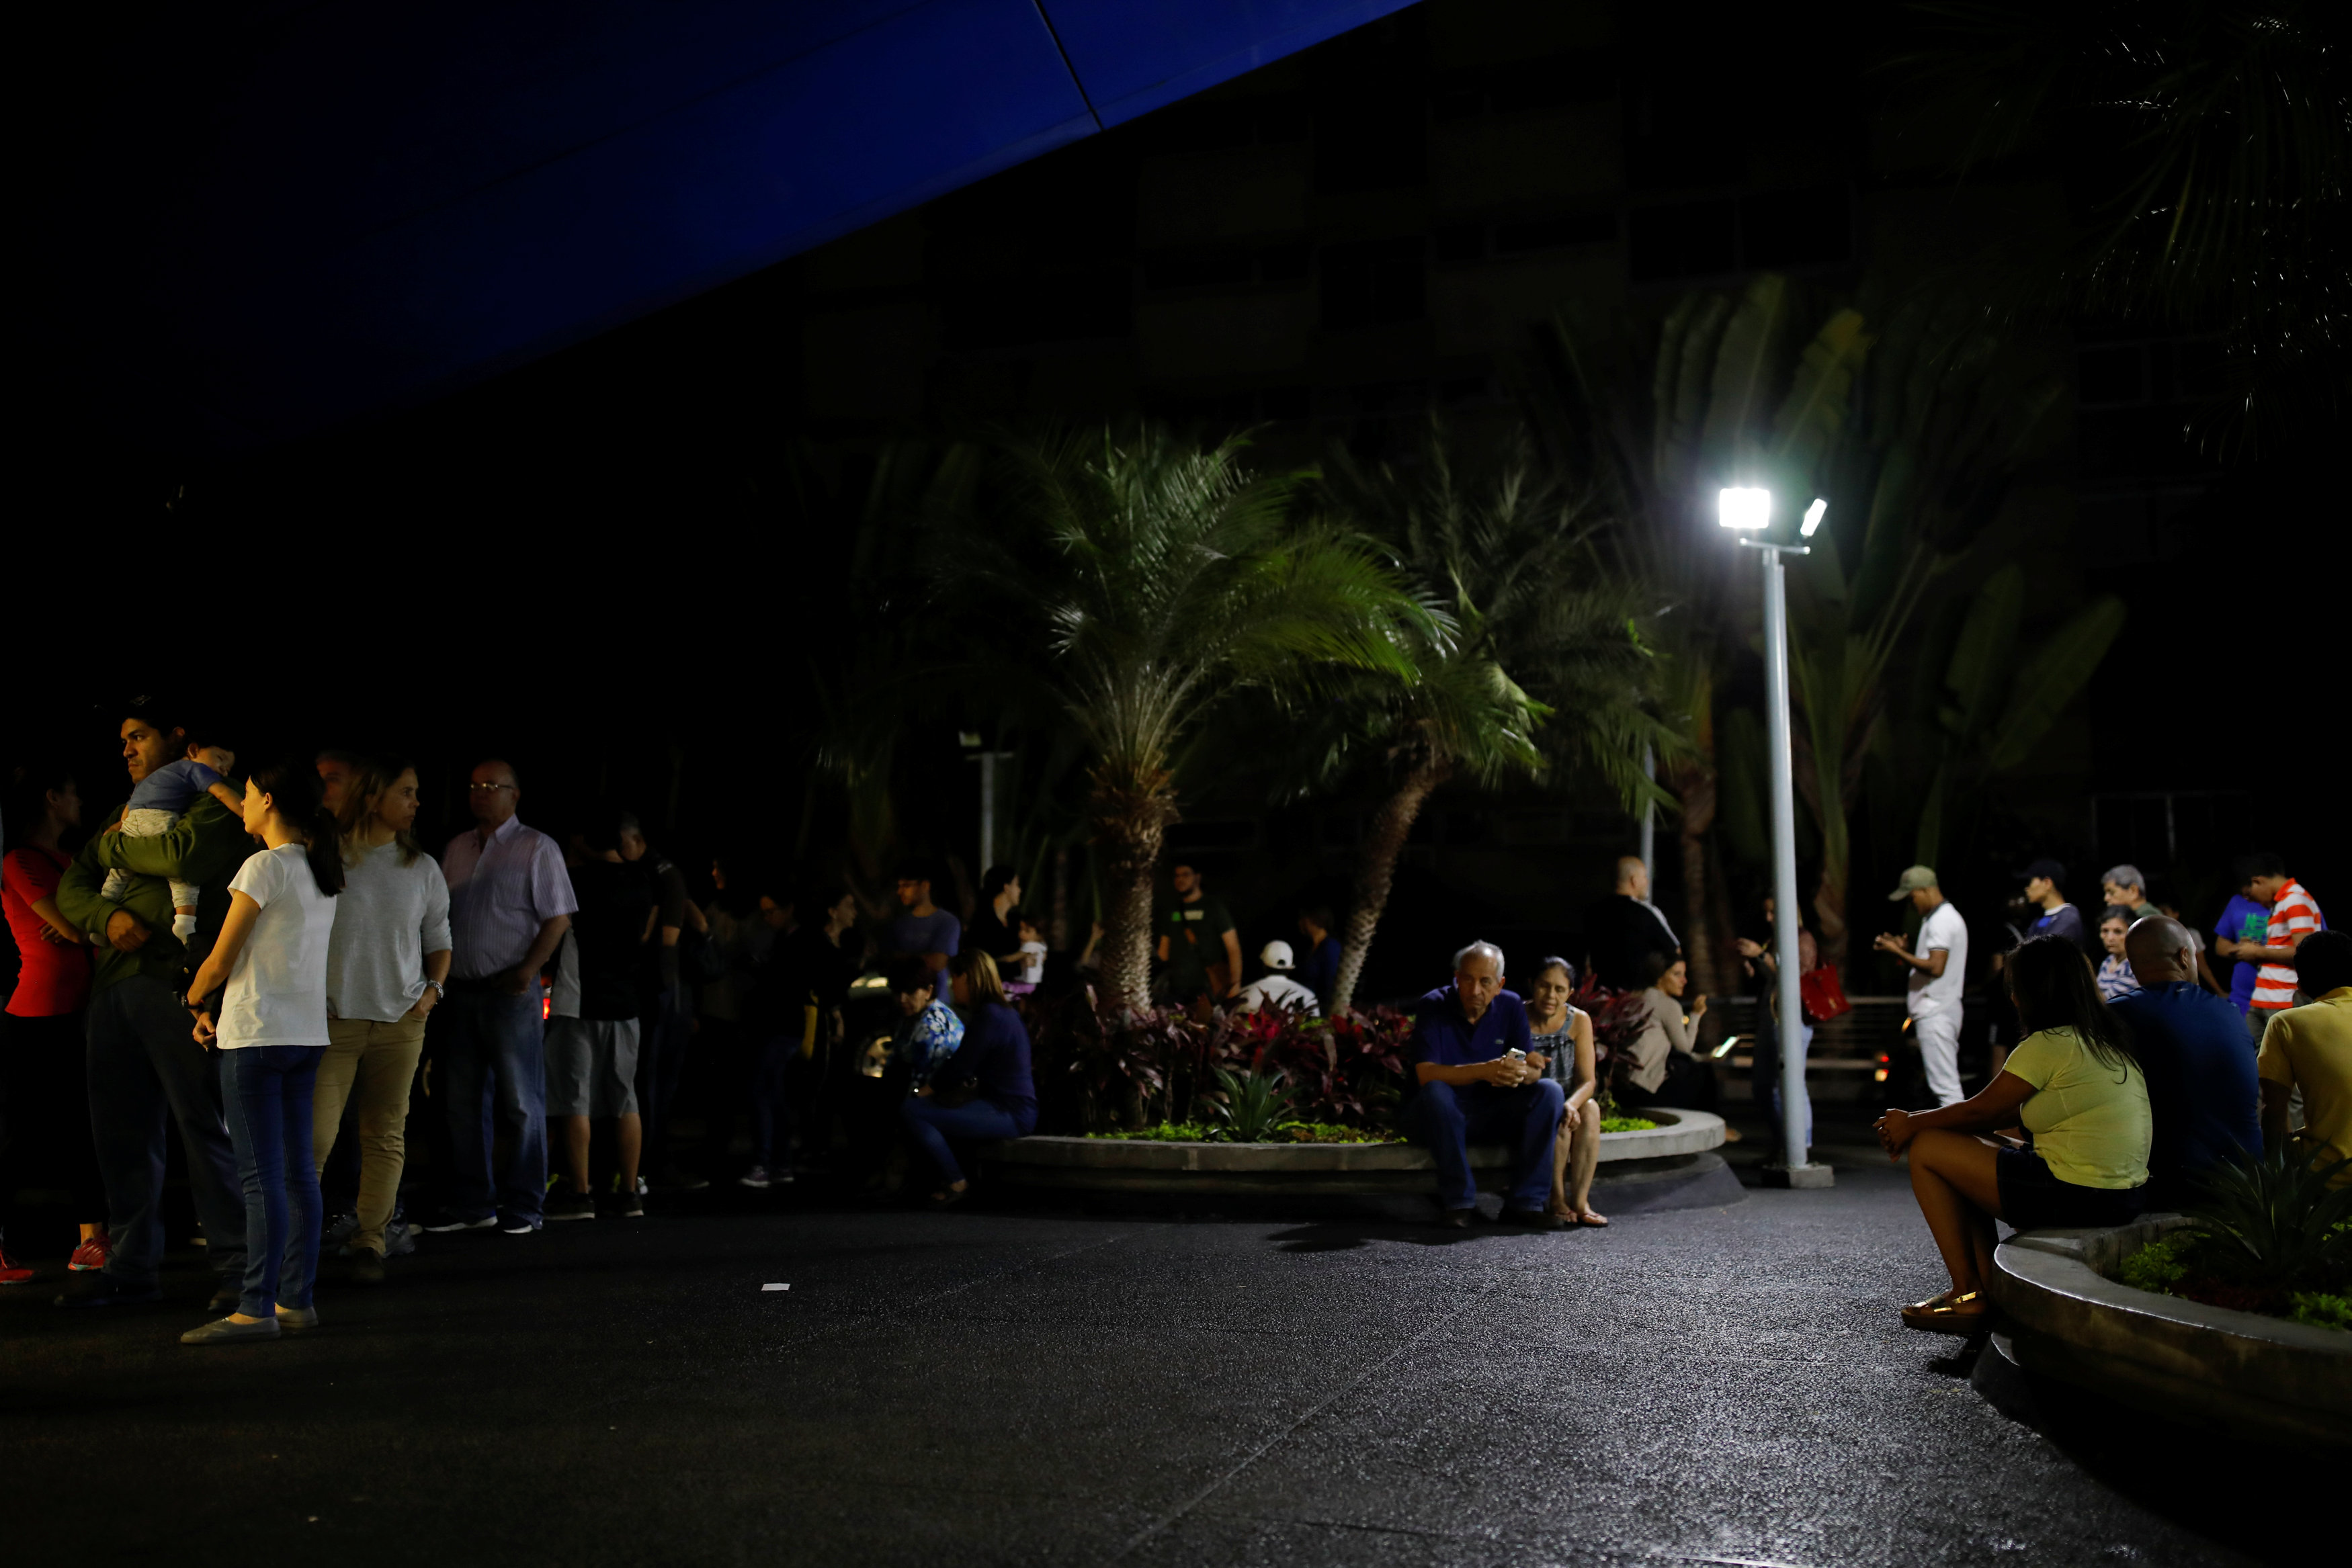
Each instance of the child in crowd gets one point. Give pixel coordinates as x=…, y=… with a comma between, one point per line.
x=1032, y=949
x=2115, y=978
x=928, y=1030
x=156, y=805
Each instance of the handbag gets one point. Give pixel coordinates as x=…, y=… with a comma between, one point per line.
x=1824, y=998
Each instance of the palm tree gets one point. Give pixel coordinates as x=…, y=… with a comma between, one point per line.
x=1726, y=391
x=1163, y=578
x=1945, y=420
x=2204, y=142
x=1529, y=656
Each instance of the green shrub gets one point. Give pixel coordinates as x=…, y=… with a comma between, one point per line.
x=1169, y=1133
x=1253, y=1105
x=1626, y=1124
x=1283, y=1133
x=2321, y=1310
x=2272, y=1223
x=1332, y=1133
x=2155, y=1266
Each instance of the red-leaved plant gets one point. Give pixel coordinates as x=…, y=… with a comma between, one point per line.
x=1161, y=1065
x=1617, y=1021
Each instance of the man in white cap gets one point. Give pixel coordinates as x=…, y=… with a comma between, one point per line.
x=1276, y=989
x=1938, y=970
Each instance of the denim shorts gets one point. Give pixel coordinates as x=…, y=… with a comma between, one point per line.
x=2033, y=1198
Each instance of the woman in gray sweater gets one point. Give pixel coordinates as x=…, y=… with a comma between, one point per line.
x=1668, y=1069
x=385, y=967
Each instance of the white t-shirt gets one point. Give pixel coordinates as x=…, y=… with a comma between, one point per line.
x=277, y=990
x=1943, y=928
x=1276, y=992
x=1032, y=962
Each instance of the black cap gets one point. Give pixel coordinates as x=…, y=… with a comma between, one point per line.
x=2055, y=869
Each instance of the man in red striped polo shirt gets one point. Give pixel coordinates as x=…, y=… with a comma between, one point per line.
x=2294, y=915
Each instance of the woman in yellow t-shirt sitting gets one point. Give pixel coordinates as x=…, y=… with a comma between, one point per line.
x=2075, y=1085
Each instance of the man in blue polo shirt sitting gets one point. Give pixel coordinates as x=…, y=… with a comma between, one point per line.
x=1474, y=1089
x=2202, y=1095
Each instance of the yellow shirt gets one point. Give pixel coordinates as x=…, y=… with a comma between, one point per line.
x=2089, y=1121
x=2311, y=1048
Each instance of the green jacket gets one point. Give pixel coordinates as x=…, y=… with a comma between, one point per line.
x=206, y=846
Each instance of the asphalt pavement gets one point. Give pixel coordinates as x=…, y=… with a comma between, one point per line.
x=1726, y=1386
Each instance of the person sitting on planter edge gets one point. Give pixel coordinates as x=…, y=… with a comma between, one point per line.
x=1478, y=1082
x=1667, y=1067
x=2310, y=1048
x=2192, y=1044
x=2075, y=1085
x=984, y=1091
x=929, y=1031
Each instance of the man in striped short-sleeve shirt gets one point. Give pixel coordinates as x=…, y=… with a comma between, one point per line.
x=2294, y=915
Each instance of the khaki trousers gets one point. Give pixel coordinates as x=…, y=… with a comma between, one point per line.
x=376, y=1063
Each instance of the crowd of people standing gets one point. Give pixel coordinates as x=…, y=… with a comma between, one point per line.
x=539, y=998
x=282, y=972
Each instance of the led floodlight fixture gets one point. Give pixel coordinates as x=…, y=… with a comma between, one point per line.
x=1745, y=508
x=1813, y=518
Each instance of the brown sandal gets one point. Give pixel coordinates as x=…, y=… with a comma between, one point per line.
x=1598, y=1221
x=1953, y=1312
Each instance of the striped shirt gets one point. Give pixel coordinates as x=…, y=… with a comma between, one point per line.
x=2292, y=915
x=2116, y=980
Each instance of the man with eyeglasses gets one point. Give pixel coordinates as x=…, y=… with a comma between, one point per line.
x=511, y=901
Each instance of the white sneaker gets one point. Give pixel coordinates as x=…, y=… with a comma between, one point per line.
x=755, y=1179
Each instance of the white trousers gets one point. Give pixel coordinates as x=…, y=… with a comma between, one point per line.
x=1938, y=1035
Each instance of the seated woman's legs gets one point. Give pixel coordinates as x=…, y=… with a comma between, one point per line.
x=1953, y=1176
x=1573, y=1159
x=933, y=1127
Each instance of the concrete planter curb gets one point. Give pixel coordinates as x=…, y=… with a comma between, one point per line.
x=1673, y=1155
x=2259, y=1376
x=1679, y=1133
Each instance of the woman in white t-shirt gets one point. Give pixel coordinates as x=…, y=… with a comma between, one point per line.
x=271, y=1029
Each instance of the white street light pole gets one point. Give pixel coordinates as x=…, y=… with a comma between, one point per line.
x=988, y=761
x=1753, y=510
x=1650, y=814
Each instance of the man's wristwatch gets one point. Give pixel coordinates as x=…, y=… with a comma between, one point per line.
x=439, y=988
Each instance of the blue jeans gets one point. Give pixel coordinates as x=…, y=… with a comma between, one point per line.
x=493, y=1053
x=266, y=1089
x=143, y=1061
x=1765, y=1075
x=933, y=1127
x=663, y=1035
x=772, y=1099
x=1449, y=1120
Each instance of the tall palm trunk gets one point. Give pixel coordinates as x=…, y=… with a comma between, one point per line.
x=1828, y=893
x=1133, y=807
x=1376, y=870
x=1694, y=784
x=1822, y=790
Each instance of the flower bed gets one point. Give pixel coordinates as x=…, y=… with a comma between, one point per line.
x=2179, y=1265
x=2067, y=1314
x=1101, y=1074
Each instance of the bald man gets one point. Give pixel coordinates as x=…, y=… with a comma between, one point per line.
x=1625, y=932
x=510, y=902
x=2202, y=1088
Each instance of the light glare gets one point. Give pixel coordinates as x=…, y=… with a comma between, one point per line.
x=1813, y=518
x=1745, y=508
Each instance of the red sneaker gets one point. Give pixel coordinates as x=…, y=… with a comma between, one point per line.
x=11, y=1272
x=92, y=1254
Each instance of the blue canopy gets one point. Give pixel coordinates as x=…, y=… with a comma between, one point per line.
x=383, y=202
